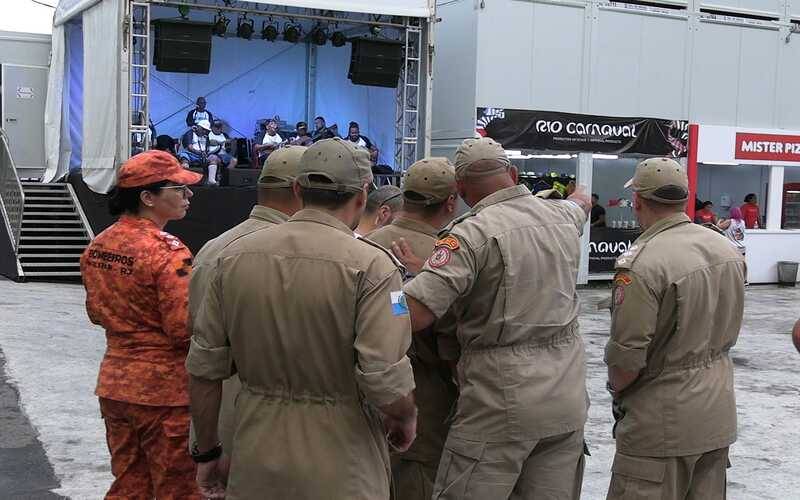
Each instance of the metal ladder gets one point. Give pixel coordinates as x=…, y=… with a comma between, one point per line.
x=54, y=232
x=138, y=44
x=407, y=99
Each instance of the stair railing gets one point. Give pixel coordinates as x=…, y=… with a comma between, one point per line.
x=12, y=199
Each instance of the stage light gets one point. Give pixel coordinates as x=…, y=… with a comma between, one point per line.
x=269, y=32
x=220, y=24
x=291, y=33
x=183, y=10
x=338, y=39
x=375, y=29
x=244, y=28
x=319, y=36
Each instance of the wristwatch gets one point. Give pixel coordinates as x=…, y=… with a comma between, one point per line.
x=208, y=456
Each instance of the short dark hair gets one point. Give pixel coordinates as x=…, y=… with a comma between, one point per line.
x=594, y=195
x=319, y=118
x=126, y=200
x=708, y=204
x=301, y=125
x=325, y=198
x=165, y=143
x=750, y=197
x=354, y=125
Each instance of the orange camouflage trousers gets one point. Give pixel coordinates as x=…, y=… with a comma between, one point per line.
x=149, y=457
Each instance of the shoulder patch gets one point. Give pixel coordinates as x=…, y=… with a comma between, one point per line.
x=449, y=241
x=385, y=250
x=172, y=242
x=439, y=257
x=626, y=260
x=444, y=232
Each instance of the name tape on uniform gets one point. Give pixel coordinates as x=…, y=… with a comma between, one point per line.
x=399, y=305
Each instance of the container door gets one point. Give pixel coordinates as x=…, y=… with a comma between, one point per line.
x=23, y=94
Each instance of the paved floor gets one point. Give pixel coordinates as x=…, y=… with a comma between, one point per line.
x=52, y=354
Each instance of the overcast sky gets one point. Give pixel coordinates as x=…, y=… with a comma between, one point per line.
x=26, y=16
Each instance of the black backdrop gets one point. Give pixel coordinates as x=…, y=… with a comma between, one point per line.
x=213, y=211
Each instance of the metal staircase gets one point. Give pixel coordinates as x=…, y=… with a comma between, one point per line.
x=54, y=232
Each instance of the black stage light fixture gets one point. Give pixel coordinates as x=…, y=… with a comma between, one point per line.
x=245, y=28
x=319, y=36
x=220, y=26
x=291, y=33
x=338, y=39
x=375, y=29
x=269, y=32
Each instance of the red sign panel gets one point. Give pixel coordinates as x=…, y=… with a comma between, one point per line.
x=769, y=147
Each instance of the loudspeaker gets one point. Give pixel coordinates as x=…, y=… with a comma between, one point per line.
x=182, y=46
x=376, y=63
x=243, y=176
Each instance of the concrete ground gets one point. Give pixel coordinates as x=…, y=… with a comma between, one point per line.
x=52, y=354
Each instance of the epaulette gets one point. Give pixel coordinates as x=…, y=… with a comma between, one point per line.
x=387, y=252
x=173, y=243
x=449, y=227
x=626, y=260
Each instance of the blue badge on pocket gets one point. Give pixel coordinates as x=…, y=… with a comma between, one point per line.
x=399, y=306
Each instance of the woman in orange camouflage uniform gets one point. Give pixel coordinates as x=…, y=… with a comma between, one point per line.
x=137, y=278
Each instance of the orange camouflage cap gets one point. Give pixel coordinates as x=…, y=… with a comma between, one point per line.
x=154, y=166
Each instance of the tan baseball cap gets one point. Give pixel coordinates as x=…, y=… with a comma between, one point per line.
x=281, y=167
x=660, y=179
x=429, y=181
x=335, y=165
x=475, y=150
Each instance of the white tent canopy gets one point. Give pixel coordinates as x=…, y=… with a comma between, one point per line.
x=104, y=113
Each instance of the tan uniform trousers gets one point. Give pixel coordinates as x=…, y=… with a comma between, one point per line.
x=412, y=480
x=546, y=469
x=694, y=477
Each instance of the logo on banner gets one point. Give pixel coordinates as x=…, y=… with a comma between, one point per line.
x=486, y=118
x=767, y=147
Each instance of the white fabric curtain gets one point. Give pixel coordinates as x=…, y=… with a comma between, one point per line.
x=67, y=9
x=53, y=107
x=101, y=114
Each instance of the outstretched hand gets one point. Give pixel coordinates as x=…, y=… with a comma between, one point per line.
x=212, y=477
x=402, y=250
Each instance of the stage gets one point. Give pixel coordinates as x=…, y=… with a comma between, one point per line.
x=213, y=211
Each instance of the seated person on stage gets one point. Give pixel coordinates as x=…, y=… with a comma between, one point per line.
x=272, y=141
x=354, y=136
x=302, y=138
x=196, y=149
x=199, y=113
x=166, y=143
x=218, y=141
x=323, y=131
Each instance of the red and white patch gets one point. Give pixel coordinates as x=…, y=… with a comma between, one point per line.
x=619, y=295
x=439, y=257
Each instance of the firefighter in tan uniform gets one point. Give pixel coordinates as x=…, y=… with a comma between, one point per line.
x=676, y=311
x=429, y=203
x=276, y=203
x=315, y=323
x=508, y=268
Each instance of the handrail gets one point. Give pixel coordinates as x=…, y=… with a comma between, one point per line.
x=12, y=199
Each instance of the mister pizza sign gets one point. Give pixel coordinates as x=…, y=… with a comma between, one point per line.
x=767, y=147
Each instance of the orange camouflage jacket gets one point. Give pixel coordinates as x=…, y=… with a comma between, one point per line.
x=137, y=288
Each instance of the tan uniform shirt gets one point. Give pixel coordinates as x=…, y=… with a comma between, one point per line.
x=677, y=309
x=316, y=327
x=435, y=393
x=511, y=281
x=261, y=217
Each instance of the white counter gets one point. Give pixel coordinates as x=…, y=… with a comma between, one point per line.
x=765, y=248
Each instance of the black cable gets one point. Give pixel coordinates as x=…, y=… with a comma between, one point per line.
x=45, y=4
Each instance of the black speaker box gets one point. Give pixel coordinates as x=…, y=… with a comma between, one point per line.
x=182, y=46
x=243, y=176
x=376, y=63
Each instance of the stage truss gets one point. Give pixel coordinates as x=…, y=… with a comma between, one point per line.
x=408, y=98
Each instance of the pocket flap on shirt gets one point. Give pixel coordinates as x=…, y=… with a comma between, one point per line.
x=639, y=467
x=469, y=449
